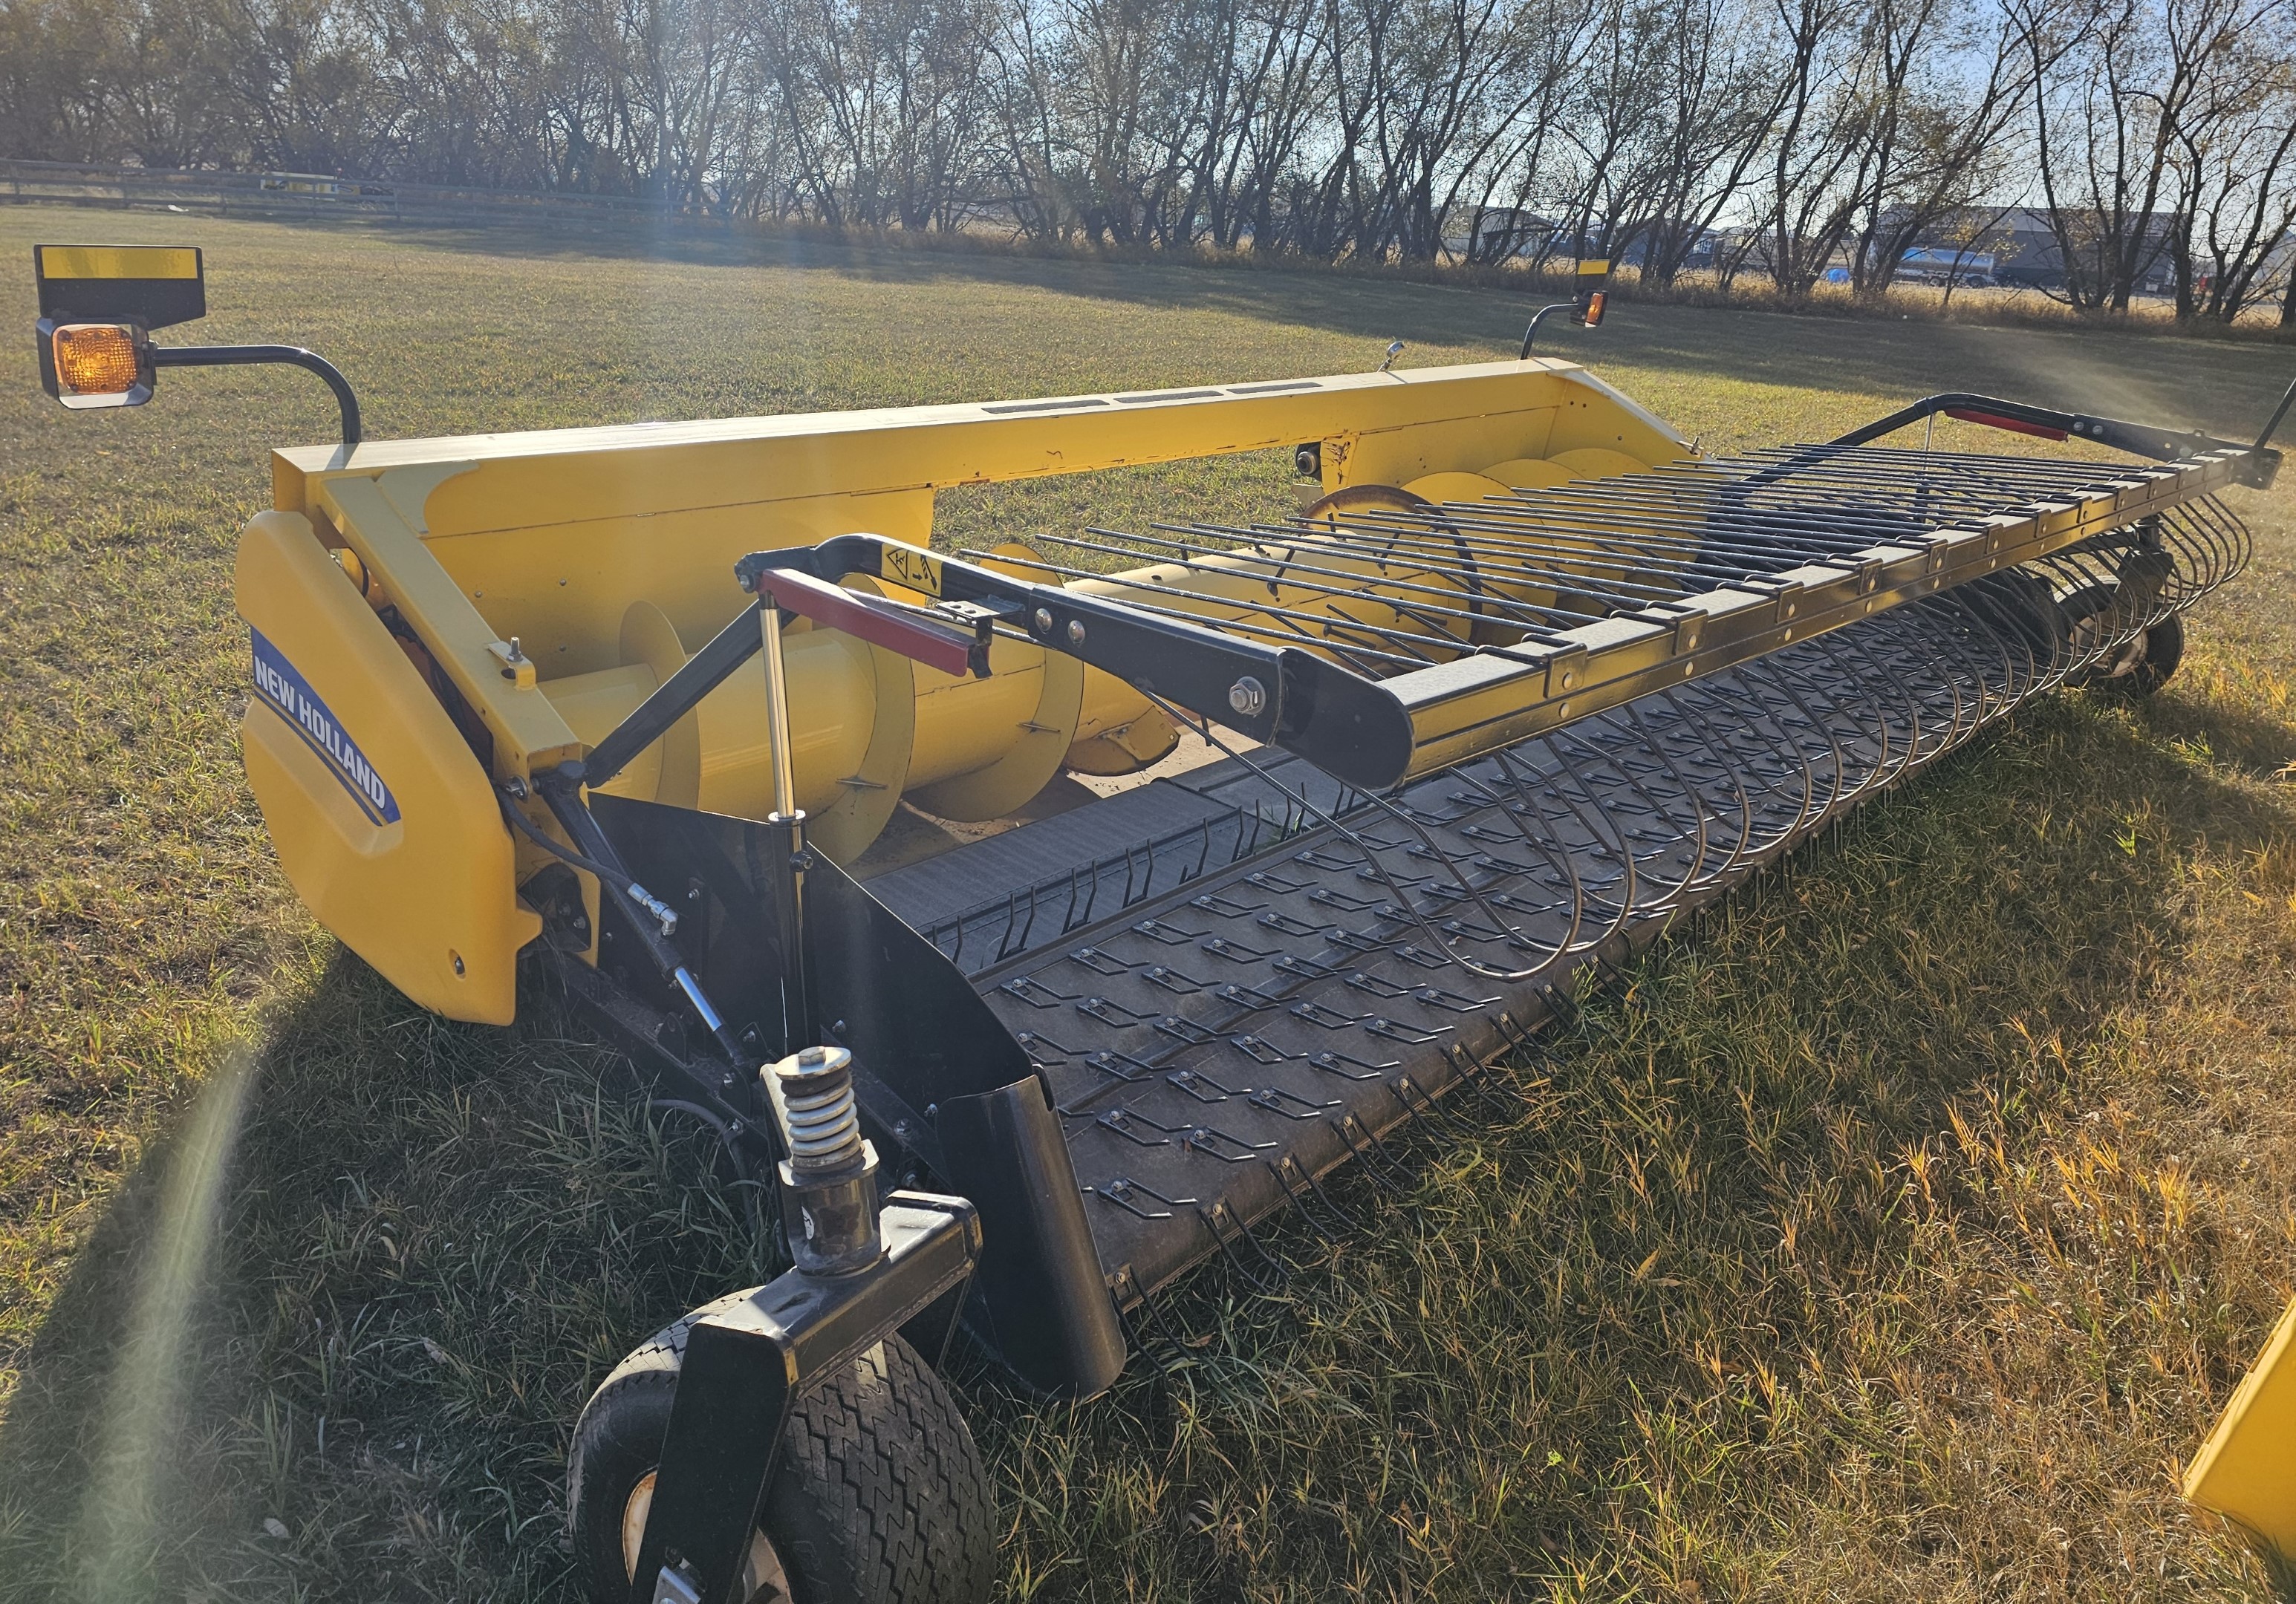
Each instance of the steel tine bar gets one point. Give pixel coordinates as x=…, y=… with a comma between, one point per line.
x=1290, y=637
x=1479, y=570
x=1559, y=512
x=1570, y=525
x=1264, y=536
x=1069, y=571
x=1256, y=554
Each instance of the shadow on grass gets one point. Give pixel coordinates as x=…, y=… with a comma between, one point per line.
x=434, y=1239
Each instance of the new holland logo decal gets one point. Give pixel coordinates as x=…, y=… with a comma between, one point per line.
x=290, y=696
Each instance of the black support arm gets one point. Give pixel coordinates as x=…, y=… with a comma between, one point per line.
x=2020, y=417
x=674, y=697
x=1345, y=725
x=252, y=356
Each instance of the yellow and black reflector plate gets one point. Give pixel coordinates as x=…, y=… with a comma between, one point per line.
x=155, y=285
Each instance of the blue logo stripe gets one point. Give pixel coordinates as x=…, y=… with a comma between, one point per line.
x=279, y=684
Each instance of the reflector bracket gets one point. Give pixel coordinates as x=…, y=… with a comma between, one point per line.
x=154, y=285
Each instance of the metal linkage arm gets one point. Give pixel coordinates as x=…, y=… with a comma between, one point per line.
x=954, y=643
x=905, y=630
x=746, y=1367
x=674, y=698
x=653, y=920
x=2020, y=417
x=1347, y=725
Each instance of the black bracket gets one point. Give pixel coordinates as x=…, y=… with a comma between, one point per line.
x=252, y=356
x=746, y=1367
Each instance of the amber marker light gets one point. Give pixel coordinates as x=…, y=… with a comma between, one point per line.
x=98, y=307
x=96, y=359
x=89, y=364
x=1596, y=302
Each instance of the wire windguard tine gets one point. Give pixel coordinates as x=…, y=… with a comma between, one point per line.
x=1262, y=1271
x=1323, y=1215
x=1306, y=970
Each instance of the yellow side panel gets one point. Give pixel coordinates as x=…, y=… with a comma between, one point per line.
x=384, y=821
x=1396, y=457
x=563, y=592
x=2247, y=1469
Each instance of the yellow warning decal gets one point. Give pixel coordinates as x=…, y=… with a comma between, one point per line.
x=907, y=566
x=1597, y=265
x=118, y=261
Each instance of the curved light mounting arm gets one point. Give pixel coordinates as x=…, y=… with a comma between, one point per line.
x=1539, y=318
x=252, y=356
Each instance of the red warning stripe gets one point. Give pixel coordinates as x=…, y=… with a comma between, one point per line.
x=1970, y=414
x=937, y=645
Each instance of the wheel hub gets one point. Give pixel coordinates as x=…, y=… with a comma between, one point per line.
x=764, y=1581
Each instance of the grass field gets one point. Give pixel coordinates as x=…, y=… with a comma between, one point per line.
x=1894, y=1231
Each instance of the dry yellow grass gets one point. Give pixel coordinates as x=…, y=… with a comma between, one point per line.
x=1894, y=1231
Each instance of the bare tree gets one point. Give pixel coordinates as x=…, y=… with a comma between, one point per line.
x=1949, y=82
x=2123, y=91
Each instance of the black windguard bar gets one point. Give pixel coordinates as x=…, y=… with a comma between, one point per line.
x=1348, y=727
x=2138, y=439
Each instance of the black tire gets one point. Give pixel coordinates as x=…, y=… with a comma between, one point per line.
x=2160, y=647
x=880, y=1497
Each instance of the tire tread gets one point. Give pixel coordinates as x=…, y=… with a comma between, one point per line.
x=880, y=1499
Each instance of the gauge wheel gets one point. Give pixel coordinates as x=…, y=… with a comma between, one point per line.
x=879, y=1495
x=2138, y=667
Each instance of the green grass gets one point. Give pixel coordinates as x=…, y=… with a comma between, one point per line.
x=1895, y=1230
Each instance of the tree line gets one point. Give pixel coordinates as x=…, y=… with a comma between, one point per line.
x=1783, y=140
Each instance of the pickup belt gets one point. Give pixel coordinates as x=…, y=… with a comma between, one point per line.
x=1288, y=969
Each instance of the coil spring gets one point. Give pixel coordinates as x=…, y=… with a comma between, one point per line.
x=813, y=1096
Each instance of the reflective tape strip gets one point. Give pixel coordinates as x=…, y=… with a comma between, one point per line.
x=118, y=261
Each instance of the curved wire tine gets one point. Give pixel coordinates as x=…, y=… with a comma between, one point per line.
x=1848, y=685
x=1500, y=1102
x=1385, y=1171
x=1421, y=1105
x=1161, y=1342
x=1229, y=1228
x=1307, y=1197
